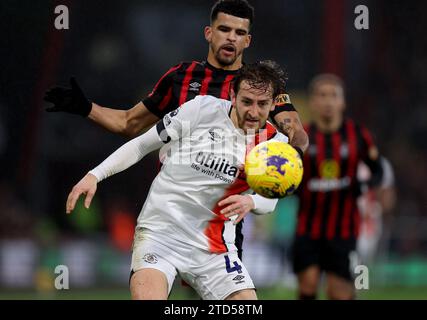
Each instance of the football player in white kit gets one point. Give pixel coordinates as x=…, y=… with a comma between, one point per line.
x=187, y=223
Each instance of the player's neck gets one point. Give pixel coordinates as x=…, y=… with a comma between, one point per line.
x=233, y=67
x=329, y=125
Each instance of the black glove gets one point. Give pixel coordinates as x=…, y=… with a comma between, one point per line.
x=71, y=100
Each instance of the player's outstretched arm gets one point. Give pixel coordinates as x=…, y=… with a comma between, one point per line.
x=290, y=124
x=129, y=123
x=128, y=154
x=72, y=100
x=124, y=157
x=86, y=186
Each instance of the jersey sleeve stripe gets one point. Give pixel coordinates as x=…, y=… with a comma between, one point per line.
x=173, y=69
x=166, y=99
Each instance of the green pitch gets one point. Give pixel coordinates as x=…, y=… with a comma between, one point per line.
x=393, y=293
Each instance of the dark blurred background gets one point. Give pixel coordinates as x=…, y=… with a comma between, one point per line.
x=118, y=50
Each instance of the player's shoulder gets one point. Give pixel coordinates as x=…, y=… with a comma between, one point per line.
x=211, y=104
x=209, y=108
x=203, y=110
x=185, y=65
x=280, y=137
x=208, y=100
x=181, y=68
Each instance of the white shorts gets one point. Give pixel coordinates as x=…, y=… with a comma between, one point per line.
x=214, y=276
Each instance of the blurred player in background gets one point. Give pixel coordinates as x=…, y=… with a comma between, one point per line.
x=184, y=226
x=373, y=204
x=228, y=36
x=328, y=218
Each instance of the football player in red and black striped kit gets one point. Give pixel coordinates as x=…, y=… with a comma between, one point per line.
x=328, y=218
x=228, y=36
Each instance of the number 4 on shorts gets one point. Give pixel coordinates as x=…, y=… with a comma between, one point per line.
x=237, y=267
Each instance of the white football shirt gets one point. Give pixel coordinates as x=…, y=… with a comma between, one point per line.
x=202, y=164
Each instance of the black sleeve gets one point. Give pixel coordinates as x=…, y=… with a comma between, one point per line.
x=375, y=165
x=161, y=130
x=281, y=108
x=376, y=171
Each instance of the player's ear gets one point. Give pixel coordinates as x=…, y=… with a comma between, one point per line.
x=232, y=96
x=343, y=106
x=208, y=33
x=248, y=40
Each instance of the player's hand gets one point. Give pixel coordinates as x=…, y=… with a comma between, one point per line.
x=85, y=186
x=239, y=205
x=71, y=100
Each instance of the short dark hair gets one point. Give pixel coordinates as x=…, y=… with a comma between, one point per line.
x=237, y=8
x=260, y=75
x=325, y=78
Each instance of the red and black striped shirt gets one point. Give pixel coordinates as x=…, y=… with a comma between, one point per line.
x=185, y=81
x=329, y=188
